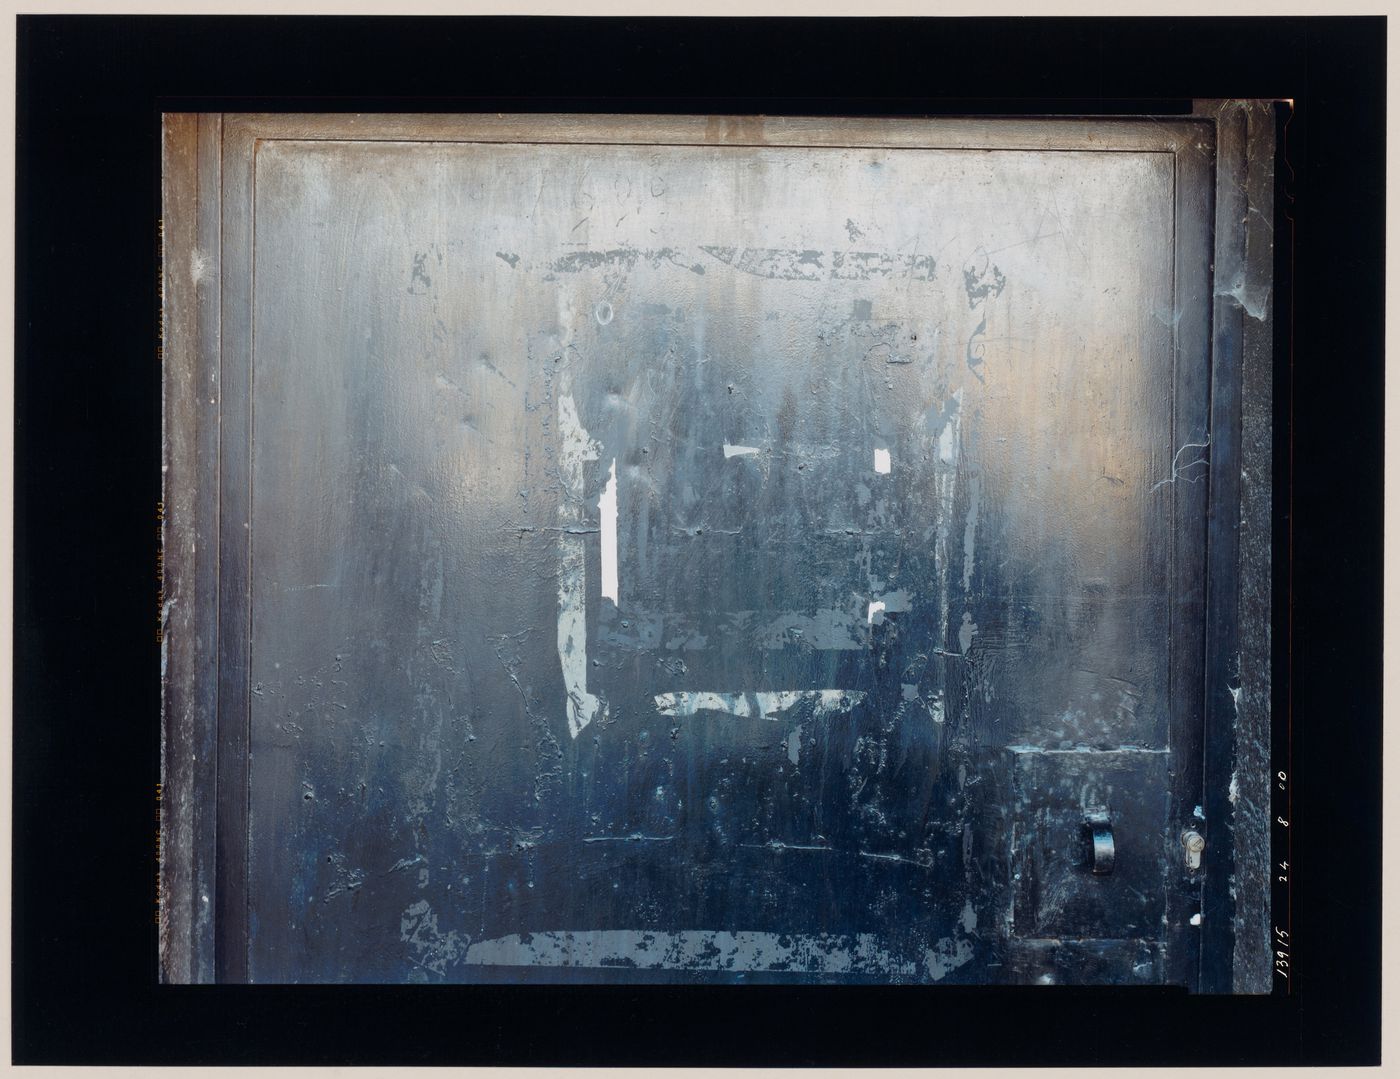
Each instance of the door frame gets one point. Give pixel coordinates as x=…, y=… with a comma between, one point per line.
x=1224, y=155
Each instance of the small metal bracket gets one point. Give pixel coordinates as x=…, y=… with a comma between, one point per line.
x=1101, y=837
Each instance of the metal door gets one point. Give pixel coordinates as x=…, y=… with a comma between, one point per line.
x=689, y=550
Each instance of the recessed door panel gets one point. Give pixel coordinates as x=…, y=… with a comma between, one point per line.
x=681, y=562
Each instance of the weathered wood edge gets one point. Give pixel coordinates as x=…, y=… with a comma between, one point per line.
x=1235, y=907
x=179, y=185
x=189, y=354
x=1251, y=785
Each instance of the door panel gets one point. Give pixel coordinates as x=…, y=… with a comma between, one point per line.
x=672, y=560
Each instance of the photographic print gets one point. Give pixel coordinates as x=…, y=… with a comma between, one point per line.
x=717, y=549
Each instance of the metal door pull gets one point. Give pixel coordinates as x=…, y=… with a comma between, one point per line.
x=1101, y=836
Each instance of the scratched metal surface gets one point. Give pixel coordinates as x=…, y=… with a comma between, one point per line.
x=711, y=563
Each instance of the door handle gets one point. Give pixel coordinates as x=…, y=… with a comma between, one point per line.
x=1100, y=829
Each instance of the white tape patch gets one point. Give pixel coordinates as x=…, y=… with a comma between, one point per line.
x=607, y=529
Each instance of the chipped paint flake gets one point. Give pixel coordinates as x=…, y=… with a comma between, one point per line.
x=740, y=451
x=882, y=461
x=897, y=601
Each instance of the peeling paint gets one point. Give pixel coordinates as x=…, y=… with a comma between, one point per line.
x=934, y=703
x=948, y=438
x=432, y=950
x=771, y=262
x=576, y=449
x=966, y=633
x=696, y=949
x=982, y=280
x=897, y=601
x=807, y=265
x=622, y=258
x=760, y=705
x=947, y=956
x=826, y=629
x=1085, y=749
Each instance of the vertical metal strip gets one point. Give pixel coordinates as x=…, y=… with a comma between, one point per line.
x=1188, y=486
x=1221, y=654
x=235, y=513
x=205, y=270
x=189, y=459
